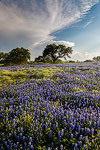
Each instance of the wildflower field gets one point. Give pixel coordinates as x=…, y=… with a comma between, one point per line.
x=50, y=107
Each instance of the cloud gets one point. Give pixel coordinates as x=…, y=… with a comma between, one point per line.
x=88, y=22
x=81, y=56
x=38, y=20
x=66, y=43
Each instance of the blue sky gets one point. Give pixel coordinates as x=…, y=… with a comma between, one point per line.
x=34, y=24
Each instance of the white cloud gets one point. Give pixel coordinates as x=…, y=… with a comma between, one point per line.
x=67, y=44
x=40, y=19
x=81, y=56
x=88, y=22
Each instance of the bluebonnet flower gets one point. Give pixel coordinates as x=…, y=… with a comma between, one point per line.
x=62, y=132
x=76, y=133
x=76, y=146
x=52, y=144
x=56, y=124
x=61, y=147
x=80, y=144
x=86, y=139
x=46, y=125
x=29, y=144
x=71, y=136
x=80, y=137
x=90, y=123
x=24, y=138
x=59, y=135
x=50, y=133
x=30, y=139
x=32, y=147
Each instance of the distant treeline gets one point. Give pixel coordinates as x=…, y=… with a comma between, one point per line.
x=51, y=54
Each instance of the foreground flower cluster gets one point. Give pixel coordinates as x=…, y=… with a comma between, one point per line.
x=54, y=109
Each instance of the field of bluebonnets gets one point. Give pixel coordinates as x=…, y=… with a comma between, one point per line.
x=50, y=107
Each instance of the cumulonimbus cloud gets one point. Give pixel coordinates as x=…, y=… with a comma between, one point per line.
x=37, y=20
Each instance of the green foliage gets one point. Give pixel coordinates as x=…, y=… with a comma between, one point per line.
x=44, y=72
x=54, y=52
x=3, y=57
x=97, y=59
x=59, y=61
x=39, y=59
x=42, y=59
x=88, y=61
x=17, y=56
x=7, y=76
x=71, y=61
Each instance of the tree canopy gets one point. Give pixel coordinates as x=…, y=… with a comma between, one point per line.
x=39, y=59
x=97, y=59
x=54, y=52
x=3, y=56
x=42, y=59
x=17, y=56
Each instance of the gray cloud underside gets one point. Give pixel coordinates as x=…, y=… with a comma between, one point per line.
x=37, y=20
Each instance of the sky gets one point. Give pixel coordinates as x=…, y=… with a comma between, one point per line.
x=35, y=23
